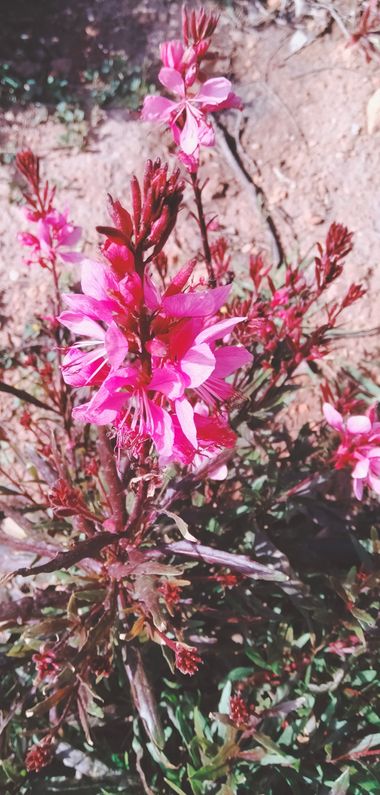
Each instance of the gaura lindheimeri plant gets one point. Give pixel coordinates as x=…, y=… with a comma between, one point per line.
x=170, y=514
x=182, y=75
x=359, y=448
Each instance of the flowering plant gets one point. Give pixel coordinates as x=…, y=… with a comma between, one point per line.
x=171, y=518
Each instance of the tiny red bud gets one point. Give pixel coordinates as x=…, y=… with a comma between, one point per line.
x=186, y=659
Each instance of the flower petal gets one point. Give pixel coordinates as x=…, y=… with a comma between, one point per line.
x=168, y=381
x=96, y=279
x=82, y=325
x=358, y=488
x=333, y=417
x=229, y=358
x=152, y=296
x=172, y=80
x=185, y=414
x=161, y=429
x=218, y=330
x=361, y=469
x=198, y=363
x=214, y=91
x=359, y=424
x=116, y=345
x=189, y=137
x=196, y=304
x=157, y=108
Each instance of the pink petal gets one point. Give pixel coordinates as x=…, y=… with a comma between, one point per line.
x=116, y=345
x=102, y=409
x=82, y=325
x=358, y=488
x=43, y=233
x=198, y=363
x=374, y=483
x=71, y=256
x=172, y=80
x=85, y=305
x=81, y=368
x=206, y=134
x=361, y=469
x=218, y=330
x=229, y=358
x=219, y=473
x=232, y=101
x=96, y=279
x=171, y=53
x=188, y=139
x=196, y=304
x=214, y=91
x=161, y=429
x=152, y=296
x=156, y=347
x=374, y=452
x=333, y=417
x=168, y=381
x=185, y=414
x=157, y=108
x=72, y=237
x=359, y=424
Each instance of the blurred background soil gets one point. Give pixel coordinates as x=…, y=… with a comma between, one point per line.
x=72, y=79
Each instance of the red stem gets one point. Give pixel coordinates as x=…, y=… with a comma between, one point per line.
x=115, y=487
x=203, y=229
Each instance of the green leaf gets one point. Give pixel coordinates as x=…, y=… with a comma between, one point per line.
x=174, y=787
x=371, y=741
x=275, y=750
x=144, y=697
x=342, y=784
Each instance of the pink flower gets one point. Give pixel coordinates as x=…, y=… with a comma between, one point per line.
x=105, y=301
x=187, y=117
x=123, y=401
x=359, y=448
x=157, y=355
x=164, y=380
x=54, y=237
x=344, y=648
x=186, y=359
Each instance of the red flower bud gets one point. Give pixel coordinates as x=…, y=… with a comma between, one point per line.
x=186, y=659
x=40, y=755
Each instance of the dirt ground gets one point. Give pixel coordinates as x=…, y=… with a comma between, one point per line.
x=303, y=139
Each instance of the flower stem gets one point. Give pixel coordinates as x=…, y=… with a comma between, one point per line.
x=115, y=488
x=203, y=229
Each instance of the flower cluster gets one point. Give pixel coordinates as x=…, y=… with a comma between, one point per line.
x=46, y=664
x=366, y=33
x=54, y=235
x=359, y=447
x=155, y=355
x=186, y=659
x=279, y=316
x=196, y=96
x=40, y=755
x=171, y=593
x=239, y=712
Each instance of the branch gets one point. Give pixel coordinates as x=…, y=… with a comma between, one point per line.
x=115, y=487
x=26, y=397
x=64, y=560
x=240, y=563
